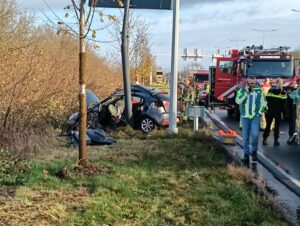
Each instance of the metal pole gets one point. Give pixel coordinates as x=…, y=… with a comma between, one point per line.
x=174, y=68
x=263, y=31
x=196, y=123
x=125, y=65
x=82, y=88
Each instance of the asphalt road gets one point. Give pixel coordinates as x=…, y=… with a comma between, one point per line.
x=288, y=157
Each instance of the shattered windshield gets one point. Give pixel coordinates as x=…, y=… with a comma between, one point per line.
x=269, y=69
x=91, y=98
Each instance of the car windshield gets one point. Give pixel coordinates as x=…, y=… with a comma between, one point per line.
x=201, y=78
x=269, y=69
x=91, y=98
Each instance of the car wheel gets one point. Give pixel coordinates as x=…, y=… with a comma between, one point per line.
x=146, y=124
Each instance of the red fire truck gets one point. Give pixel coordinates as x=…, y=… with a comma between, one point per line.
x=201, y=81
x=231, y=72
x=201, y=77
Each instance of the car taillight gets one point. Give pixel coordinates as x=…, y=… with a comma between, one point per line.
x=165, y=122
x=166, y=104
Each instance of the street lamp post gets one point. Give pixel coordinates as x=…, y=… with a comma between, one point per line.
x=263, y=31
x=237, y=41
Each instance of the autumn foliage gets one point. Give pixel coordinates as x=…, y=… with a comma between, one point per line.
x=39, y=75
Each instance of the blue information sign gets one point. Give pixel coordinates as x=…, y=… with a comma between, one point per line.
x=136, y=4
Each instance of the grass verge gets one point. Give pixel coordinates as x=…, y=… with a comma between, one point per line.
x=154, y=180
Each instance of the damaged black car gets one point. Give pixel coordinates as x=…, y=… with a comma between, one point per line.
x=150, y=108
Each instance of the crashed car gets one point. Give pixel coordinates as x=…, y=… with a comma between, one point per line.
x=95, y=133
x=150, y=108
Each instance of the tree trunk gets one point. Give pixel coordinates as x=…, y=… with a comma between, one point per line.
x=82, y=88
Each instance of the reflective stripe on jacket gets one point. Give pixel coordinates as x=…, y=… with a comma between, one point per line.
x=251, y=103
x=276, y=99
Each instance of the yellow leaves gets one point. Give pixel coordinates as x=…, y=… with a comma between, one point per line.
x=112, y=18
x=101, y=16
x=94, y=34
x=120, y=4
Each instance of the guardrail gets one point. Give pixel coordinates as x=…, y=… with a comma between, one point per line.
x=279, y=173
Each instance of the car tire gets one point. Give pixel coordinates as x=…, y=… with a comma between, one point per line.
x=146, y=124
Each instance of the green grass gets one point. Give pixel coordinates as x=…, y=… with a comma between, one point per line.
x=154, y=180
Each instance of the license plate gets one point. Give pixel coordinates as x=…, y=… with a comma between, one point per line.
x=228, y=140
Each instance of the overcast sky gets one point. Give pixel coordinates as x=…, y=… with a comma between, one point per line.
x=209, y=24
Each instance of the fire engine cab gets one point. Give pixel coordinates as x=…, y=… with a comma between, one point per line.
x=201, y=82
x=231, y=72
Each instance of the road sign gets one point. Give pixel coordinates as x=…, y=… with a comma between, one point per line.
x=196, y=111
x=136, y=4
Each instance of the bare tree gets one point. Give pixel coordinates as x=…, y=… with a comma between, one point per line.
x=84, y=18
x=140, y=57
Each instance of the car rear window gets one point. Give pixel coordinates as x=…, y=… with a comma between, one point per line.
x=91, y=98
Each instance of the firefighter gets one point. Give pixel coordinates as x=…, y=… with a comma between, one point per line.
x=293, y=96
x=276, y=99
x=188, y=97
x=252, y=103
x=180, y=88
x=266, y=86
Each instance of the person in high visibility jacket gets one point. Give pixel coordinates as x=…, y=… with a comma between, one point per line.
x=188, y=97
x=266, y=86
x=252, y=103
x=293, y=97
x=276, y=98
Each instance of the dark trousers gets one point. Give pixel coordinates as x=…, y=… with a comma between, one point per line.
x=292, y=120
x=269, y=118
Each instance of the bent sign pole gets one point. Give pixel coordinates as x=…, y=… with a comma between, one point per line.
x=135, y=4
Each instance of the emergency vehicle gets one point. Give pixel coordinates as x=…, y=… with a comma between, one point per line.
x=200, y=77
x=159, y=76
x=201, y=82
x=232, y=71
